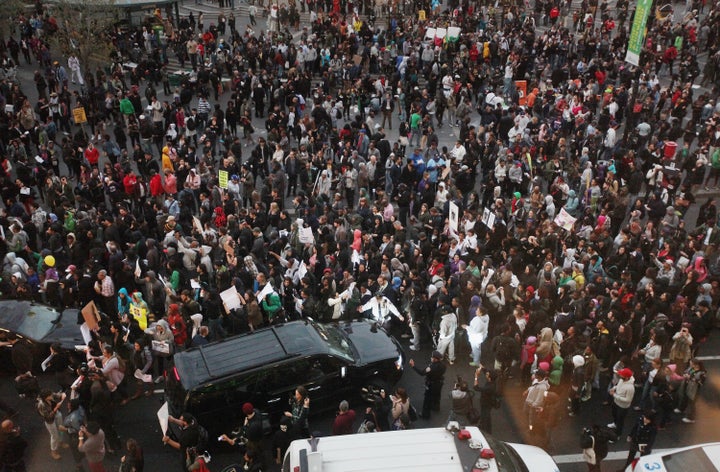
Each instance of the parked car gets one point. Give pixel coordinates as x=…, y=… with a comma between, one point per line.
x=705, y=457
x=417, y=450
x=40, y=325
x=333, y=361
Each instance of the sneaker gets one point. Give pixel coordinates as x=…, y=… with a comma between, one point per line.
x=571, y=413
x=637, y=408
x=612, y=425
x=687, y=420
x=451, y=362
x=677, y=410
x=414, y=348
x=474, y=364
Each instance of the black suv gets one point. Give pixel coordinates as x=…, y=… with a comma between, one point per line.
x=333, y=361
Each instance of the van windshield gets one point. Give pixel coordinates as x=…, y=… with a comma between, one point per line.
x=337, y=343
x=506, y=458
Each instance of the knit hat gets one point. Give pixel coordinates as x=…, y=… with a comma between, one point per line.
x=247, y=408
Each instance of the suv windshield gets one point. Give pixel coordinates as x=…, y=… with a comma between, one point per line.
x=37, y=322
x=337, y=343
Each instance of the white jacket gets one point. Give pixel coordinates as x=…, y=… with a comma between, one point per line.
x=448, y=326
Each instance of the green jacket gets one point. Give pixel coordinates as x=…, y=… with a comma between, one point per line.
x=126, y=107
x=271, y=305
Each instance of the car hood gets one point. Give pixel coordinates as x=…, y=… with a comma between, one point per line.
x=66, y=332
x=371, y=343
x=535, y=458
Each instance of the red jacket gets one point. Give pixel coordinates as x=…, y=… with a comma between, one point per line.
x=156, y=186
x=92, y=155
x=178, y=328
x=129, y=182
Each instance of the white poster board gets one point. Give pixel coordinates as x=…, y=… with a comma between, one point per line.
x=267, y=290
x=565, y=220
x=231, y=298
x=163, y=416
x=454, y=217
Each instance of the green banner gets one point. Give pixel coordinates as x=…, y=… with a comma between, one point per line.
x=637, y=33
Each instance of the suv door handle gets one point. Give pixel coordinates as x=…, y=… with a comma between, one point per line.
x=274, y=400
x=312, y=389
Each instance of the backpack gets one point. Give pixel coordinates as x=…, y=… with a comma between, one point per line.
x=203, y=438
x=505, y=349
x=586, y=439
x=412, y=414
x=190, y=124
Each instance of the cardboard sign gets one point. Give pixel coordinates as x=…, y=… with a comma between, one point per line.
x=521, y=86
x=79, y=115
x=91, y=316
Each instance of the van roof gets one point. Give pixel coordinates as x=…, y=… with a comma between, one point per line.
x=416, y=450
x=247, y=351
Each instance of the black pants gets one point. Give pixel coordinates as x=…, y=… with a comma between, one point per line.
x=485, y=423
x=619, y=415
x=634, y=448
x=431, y=400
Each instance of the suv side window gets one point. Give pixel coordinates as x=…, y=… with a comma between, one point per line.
x=326, y=365
x=287, y=376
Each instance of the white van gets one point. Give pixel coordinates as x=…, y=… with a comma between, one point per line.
x=414, y=450
x=705, y=457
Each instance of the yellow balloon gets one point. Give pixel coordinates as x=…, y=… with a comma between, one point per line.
x=50, y=261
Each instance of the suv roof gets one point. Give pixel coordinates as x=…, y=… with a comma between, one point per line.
x=247, y=351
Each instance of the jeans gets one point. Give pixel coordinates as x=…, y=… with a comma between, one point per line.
x=416, y=133
x=415, y=341
x=54, y=431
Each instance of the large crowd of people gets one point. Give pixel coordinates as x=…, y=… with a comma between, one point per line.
x=550, y=233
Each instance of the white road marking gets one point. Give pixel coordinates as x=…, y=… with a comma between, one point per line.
x=612, y=456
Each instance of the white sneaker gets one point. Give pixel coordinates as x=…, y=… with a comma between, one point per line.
x=677, y=410
x=413, y=348
x=612, y=425
x=687, y=420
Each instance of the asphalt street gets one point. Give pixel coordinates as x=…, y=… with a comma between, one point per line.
x=138, y=420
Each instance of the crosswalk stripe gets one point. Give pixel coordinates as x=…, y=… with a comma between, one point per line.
x=612, y=456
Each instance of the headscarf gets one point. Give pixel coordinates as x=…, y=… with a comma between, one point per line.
x=220, y=218
x=250, y=266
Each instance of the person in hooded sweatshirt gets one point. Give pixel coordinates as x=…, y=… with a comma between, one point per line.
x=550, y=207
x=572, y=205
x=162, y=333
x=477, y=332
x=446, y=338
x=577, y=382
